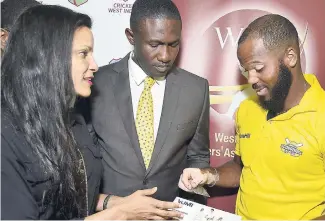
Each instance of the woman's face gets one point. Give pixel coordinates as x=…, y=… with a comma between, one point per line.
x=83, y=63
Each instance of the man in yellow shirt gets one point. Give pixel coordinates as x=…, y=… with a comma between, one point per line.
x=279, y=163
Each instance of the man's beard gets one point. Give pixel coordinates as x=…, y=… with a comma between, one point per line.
x=279, y=92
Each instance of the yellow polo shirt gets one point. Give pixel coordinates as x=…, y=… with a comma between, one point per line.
x=284, y=159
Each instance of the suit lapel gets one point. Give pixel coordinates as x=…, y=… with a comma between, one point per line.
x=122, y=93
x=171, y=96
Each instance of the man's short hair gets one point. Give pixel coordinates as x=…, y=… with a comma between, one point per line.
x=275, y=30
x=154, y=9
x=11, y=9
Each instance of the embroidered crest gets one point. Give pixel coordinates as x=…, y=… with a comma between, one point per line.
x=291, y=147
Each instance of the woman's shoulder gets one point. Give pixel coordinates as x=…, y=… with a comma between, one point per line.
x=13, y=142
x=9, y=130
x=7, y=123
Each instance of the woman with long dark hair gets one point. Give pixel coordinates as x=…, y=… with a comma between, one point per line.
x=38, y=143
x=50, y=169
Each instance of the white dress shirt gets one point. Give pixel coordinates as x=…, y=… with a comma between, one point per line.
x=137, y=77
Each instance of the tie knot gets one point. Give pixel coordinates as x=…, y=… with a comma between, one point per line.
x=148, y=83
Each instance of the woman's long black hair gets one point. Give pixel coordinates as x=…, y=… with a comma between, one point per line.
x=37, y=89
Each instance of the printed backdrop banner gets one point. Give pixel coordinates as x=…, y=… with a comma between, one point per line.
x=211, y=29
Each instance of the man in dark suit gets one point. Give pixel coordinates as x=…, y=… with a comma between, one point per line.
x=150, y=118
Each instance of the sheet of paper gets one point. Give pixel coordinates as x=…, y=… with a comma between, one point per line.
x=198, y=212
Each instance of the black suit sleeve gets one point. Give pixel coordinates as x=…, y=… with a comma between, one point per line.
x=198, y=152
x=83, y=107
x=17, y=201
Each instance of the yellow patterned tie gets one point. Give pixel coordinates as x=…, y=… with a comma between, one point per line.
x=144, y=121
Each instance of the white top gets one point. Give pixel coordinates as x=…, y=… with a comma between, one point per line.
x=137, y=77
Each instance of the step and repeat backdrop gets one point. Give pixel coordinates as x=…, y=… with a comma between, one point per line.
x=211, y=29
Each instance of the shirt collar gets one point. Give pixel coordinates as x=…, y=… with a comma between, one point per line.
x=310, y=101
x=137, y=74
x=311, y=98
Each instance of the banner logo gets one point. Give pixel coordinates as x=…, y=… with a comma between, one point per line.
x=120, y=7
x=78, y=2
x=229, y=35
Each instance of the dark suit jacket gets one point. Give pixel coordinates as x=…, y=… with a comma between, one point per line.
x=182, y=139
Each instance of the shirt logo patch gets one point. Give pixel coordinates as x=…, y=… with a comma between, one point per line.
x=245, y=135
x=291, y=147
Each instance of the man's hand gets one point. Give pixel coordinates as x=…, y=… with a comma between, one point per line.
x=140, y=206
x=193, y=177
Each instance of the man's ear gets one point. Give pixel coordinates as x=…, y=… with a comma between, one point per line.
x=291, y=57
x=130, y=35
x=4, y=38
